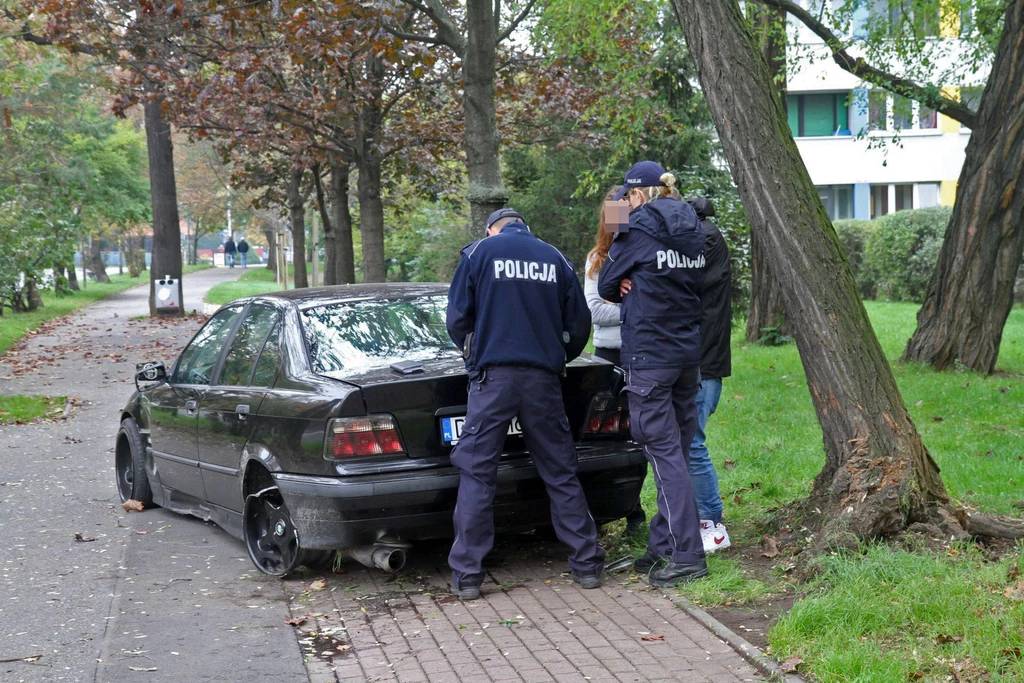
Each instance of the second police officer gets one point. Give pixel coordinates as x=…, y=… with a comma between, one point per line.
x=517, y=312
x=655, y=268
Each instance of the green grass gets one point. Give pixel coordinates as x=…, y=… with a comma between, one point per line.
x=766, y=427
x=258, y=280
x=15, y=409
x=898, y=616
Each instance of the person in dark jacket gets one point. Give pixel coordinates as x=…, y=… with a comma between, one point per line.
x=656, y=269
x=517, y=312
x=243, y=251
x=229, y=251
x=715, y=364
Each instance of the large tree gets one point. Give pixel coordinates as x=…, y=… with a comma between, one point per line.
x=971, y=292
x=878, y=476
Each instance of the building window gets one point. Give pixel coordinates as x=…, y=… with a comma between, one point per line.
x=838, y=200
x=923, y=18
x=927, y=195
x=896, y=113
x=877, y=110
x=818, y=115
x=879, y=200
x=928, y=118
x=904, y=197
x=902, y=113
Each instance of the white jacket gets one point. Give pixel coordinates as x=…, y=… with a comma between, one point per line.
x=606, y=316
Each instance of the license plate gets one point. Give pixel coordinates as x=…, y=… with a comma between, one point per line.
x=451, y=429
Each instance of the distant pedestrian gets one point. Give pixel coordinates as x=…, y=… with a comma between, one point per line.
x=655, y=268
x=229, y=252
x=243, y=251
x=517, y=311
x=715, y=364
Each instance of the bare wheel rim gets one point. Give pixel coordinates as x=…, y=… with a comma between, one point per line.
x=124, y=467
x=270, y=534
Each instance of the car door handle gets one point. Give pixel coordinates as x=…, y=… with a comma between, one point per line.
x=190, y=407
x=242, y=410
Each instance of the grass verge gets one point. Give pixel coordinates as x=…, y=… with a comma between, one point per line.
x=767, y=447
x=257, y=280
x=19, y=409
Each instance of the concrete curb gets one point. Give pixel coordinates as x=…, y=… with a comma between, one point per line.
x=753, y=655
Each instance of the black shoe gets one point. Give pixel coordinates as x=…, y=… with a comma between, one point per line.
x=466, y=592
x=678, y=572
x=648, y=561
x=587, y=581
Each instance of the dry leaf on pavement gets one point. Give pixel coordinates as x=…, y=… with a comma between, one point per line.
x=318, y=585
x=297, y=621
x=652, y=638
x=132, y=506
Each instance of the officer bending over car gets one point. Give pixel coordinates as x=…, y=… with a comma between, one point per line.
x=655, y=268
x=517, y=312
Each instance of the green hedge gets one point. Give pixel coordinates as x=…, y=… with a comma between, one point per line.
x=893, y=257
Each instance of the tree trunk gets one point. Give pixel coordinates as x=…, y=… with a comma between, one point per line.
x=371, y=221
x=345, y=261
x=99, y=269
x=971, y=292
x=72, y=276
x=271, y=236
x=878, y=476
x=297, y=214
x=769, y=26
x=330, y=274
x=164, y=197
x=486, y=189
x=33, y=296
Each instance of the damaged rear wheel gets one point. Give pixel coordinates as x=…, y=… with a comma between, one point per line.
x=271, y=537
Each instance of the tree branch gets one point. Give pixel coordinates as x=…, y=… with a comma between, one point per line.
x=29, y=37
x=518, y=20
x=858, y=67
x=448, y=32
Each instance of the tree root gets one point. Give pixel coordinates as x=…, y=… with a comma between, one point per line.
x=991, y=526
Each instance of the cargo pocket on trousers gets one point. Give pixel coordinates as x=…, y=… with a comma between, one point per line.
x=636, y=414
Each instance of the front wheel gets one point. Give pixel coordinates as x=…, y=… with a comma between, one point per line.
x=130, y=466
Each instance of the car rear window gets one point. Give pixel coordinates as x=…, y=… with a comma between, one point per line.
x=357, y=337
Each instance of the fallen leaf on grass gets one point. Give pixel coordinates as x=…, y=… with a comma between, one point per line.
x=791, y=665
x=132, y=506
x=915, y=676
x=142, y=668
x=937, y=419
x=82, y=539
x=1013, y=572
x=652, y=638
x=729, y=464
x=1015, y=592
x=737, y=499
x=318, y=585
x=943, y=638
x=1011, y=653
x=769, y=547
x=297, y=621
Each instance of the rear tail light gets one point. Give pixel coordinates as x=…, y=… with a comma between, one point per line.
x=353, y=437
x=608, y=416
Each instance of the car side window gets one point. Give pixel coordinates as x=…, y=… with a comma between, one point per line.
x=266, y=367
x=245, y=347
x=198, y=360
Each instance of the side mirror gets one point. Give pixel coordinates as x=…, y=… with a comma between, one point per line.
x=149, y=375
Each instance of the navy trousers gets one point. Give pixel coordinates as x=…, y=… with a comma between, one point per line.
x=662, y=419
x=497, y=395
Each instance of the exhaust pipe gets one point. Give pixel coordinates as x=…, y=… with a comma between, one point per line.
x=386, y=557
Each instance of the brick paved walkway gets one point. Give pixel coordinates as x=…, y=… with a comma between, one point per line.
x=532, y=624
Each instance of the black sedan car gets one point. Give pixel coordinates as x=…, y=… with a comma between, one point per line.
x=321, y=420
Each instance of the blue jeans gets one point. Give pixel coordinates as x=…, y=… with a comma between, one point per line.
x=702, y=470
x=242, y=255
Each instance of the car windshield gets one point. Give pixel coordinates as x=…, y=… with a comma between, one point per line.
x=353, y=338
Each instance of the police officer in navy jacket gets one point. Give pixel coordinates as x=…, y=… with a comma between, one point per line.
x=517, y=312
x=655, y=268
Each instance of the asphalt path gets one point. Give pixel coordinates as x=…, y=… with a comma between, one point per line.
x=94, y=593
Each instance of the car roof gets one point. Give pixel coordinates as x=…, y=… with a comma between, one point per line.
x=318, y=296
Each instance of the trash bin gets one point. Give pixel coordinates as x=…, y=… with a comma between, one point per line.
x=167, y=295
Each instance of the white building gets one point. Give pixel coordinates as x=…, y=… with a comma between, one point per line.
x=871, y=153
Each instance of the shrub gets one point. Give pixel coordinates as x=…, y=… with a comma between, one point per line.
x=852, y=235
x=901, y=250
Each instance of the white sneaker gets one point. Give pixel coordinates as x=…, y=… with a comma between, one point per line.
x=714, y=536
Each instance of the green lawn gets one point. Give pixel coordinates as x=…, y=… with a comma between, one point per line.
x=258, y=280
x=15, y=409
x=855, y=623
